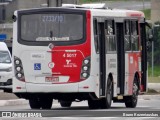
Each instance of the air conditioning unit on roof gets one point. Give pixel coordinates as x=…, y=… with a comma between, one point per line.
x=95, y=6
x=89, y=6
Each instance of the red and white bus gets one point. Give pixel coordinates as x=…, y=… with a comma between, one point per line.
x=77, y=53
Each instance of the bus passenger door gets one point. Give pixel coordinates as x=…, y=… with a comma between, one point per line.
x=120, y=57
x=144, y=58
x=102, y=58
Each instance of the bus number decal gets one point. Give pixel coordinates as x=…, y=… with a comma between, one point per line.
x=53, y=18
x=69, y=55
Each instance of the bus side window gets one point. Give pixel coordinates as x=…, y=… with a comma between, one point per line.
x=95, y=29
x=127, y=39
x=134, y=35
x=110, y=35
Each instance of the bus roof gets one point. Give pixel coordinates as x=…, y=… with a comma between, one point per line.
x=98, y=10
x=116, y=13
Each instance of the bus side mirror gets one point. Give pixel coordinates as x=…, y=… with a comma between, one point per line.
x=14, y=18
x=150, y=35
x=150, y=38
x=149, y=32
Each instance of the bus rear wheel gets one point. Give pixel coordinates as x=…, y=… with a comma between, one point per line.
x=65, y=103
x=131, y=101
x=38, y=103
x=107, y=101
x=93, y=104
x=34, y=103
x=46, y=103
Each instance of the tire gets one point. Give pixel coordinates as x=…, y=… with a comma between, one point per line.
x=46, y=103
x=34, y=103
x=65, y=103
x=131, y=101
x=93, y=104
x=106, y=102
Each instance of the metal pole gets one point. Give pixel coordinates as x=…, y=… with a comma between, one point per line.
x=153, y=50
x=143, y=5
x=48, y=3
x=153, y=58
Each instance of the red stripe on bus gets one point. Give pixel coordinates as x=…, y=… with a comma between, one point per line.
x=71, y=66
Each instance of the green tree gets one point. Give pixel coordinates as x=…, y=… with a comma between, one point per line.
x=156, y=38
x=157, y=44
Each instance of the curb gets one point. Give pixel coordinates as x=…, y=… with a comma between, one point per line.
x=149, y=97
x=154, y=86
x=13, y=102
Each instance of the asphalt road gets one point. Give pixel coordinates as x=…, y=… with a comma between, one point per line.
x=80, y=109
x=131, y=5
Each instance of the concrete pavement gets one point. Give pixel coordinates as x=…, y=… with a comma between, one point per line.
x=13, y=102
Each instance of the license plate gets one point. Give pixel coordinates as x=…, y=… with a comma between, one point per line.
x=52, y=79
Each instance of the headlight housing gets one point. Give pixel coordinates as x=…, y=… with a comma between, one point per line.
x=19, y=73
x=85, y=70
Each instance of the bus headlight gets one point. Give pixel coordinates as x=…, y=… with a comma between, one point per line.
x=85, y=71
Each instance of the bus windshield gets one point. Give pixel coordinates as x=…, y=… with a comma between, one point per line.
x=51, y=27
x=4, y=57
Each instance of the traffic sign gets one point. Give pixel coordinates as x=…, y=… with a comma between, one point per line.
x=3, y=36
